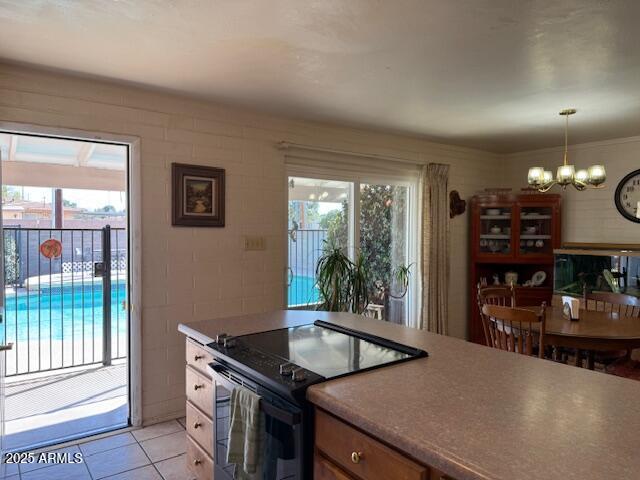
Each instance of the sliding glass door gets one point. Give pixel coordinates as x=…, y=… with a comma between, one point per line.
x=318, y=217
x=374, y=218
x=383, y=235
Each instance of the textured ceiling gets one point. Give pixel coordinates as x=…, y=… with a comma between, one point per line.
x=490, y=74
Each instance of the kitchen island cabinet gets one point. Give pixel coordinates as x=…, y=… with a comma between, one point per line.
x=466, y=411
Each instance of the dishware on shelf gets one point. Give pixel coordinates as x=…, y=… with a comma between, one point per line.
x=539, y=243
x=511, y=278
x=530, y=243
x=483, y=242
x=494, y=246
x=493, y=211
x=538, y=278
x=507, y=230
x=496, y=279
x=495, y=229
x=530, y=230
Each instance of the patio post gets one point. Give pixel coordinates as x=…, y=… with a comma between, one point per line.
x=106, y=295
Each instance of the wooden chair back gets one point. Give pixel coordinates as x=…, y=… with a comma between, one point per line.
x=511, y=328
x=624, y=305
x=503, y=296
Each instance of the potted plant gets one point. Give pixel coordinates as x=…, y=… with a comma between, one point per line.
x=342, y=283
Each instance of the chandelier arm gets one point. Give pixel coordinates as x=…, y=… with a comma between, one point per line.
x=580, y=186
x=546, y=188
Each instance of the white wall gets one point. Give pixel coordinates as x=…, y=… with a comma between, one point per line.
x=190, y=274
x=589, y=216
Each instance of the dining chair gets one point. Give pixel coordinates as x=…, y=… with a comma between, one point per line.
x=503, y=296
x=625, y=305
x=511, y=328
x=616, y=361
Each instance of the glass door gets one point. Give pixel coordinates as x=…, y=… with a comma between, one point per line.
x=495, y=231
x=368, y=218
x=384, y=242
x=319, y=217
x=536, y=231
x=4, y=471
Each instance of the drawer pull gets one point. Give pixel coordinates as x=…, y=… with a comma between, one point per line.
x=356, y=457
x=198, y=357
x=197, y=425
x=198, y=387
x=197, y=462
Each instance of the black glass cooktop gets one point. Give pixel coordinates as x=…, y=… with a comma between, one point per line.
x=315, y=352
x=322, y=350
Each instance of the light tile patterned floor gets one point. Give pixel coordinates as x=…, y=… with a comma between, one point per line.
x=152, y=453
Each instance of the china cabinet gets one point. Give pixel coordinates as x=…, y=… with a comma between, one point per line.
x=512, y=241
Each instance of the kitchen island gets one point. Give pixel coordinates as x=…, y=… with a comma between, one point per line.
x=468, y=411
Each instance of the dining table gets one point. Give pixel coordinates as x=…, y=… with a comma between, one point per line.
x=593, y=331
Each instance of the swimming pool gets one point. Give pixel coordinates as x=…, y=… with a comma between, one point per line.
x=63, y=312
x=302, y=291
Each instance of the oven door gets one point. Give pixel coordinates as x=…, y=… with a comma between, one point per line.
x=282, y=446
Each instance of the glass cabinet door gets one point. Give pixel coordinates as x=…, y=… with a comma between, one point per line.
x=536, y=231
x=495, y=231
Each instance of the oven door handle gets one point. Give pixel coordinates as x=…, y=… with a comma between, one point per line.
x=285, y=416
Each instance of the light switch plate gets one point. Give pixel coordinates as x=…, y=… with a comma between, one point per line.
x=254, y=243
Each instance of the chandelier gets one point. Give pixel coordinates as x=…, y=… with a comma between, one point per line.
x=543, y=180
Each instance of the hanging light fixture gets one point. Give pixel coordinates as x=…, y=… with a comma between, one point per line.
x=543, y=180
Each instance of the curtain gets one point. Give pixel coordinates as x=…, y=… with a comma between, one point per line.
x=435, y=248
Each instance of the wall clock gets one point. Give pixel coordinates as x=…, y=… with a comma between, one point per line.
x=627, y=197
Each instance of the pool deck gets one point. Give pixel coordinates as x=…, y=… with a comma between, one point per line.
x=66, y=279
x=51, y=407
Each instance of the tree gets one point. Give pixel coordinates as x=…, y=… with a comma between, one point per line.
x=11, y=261
x=106, y=209
x=69, y=203
x=11, y=194
x=311, y=214
x=383, y=236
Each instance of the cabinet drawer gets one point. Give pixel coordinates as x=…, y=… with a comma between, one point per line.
x=197, y=356
x=361, y=455
x=199, y=390
x=198, y=462
x=323, y=469
x=200, y=428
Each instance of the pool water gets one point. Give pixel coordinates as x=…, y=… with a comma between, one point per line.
x=302, y=291
x=63, y=312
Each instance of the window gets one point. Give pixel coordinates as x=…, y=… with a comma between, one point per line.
x=374, y=218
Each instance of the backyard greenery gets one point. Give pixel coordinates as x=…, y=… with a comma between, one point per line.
x=382, y=235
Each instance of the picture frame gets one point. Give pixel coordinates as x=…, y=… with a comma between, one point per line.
x=197, y=195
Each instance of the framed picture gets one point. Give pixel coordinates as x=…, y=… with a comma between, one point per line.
x=197, y=196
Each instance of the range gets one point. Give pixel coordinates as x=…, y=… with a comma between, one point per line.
x=279, y=366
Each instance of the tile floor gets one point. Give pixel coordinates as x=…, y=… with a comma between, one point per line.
x=151, y=453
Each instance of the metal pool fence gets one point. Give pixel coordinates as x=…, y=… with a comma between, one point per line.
x=68, y=310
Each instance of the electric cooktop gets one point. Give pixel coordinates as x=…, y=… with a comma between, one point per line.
x=291, y=359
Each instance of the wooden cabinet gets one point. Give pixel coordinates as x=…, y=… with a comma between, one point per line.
x=323, y=469
x=343, y=452
x=513, y=233
x=199, y=463
x=199, y=391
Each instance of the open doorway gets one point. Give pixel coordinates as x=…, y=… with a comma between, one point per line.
x=66, y=246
